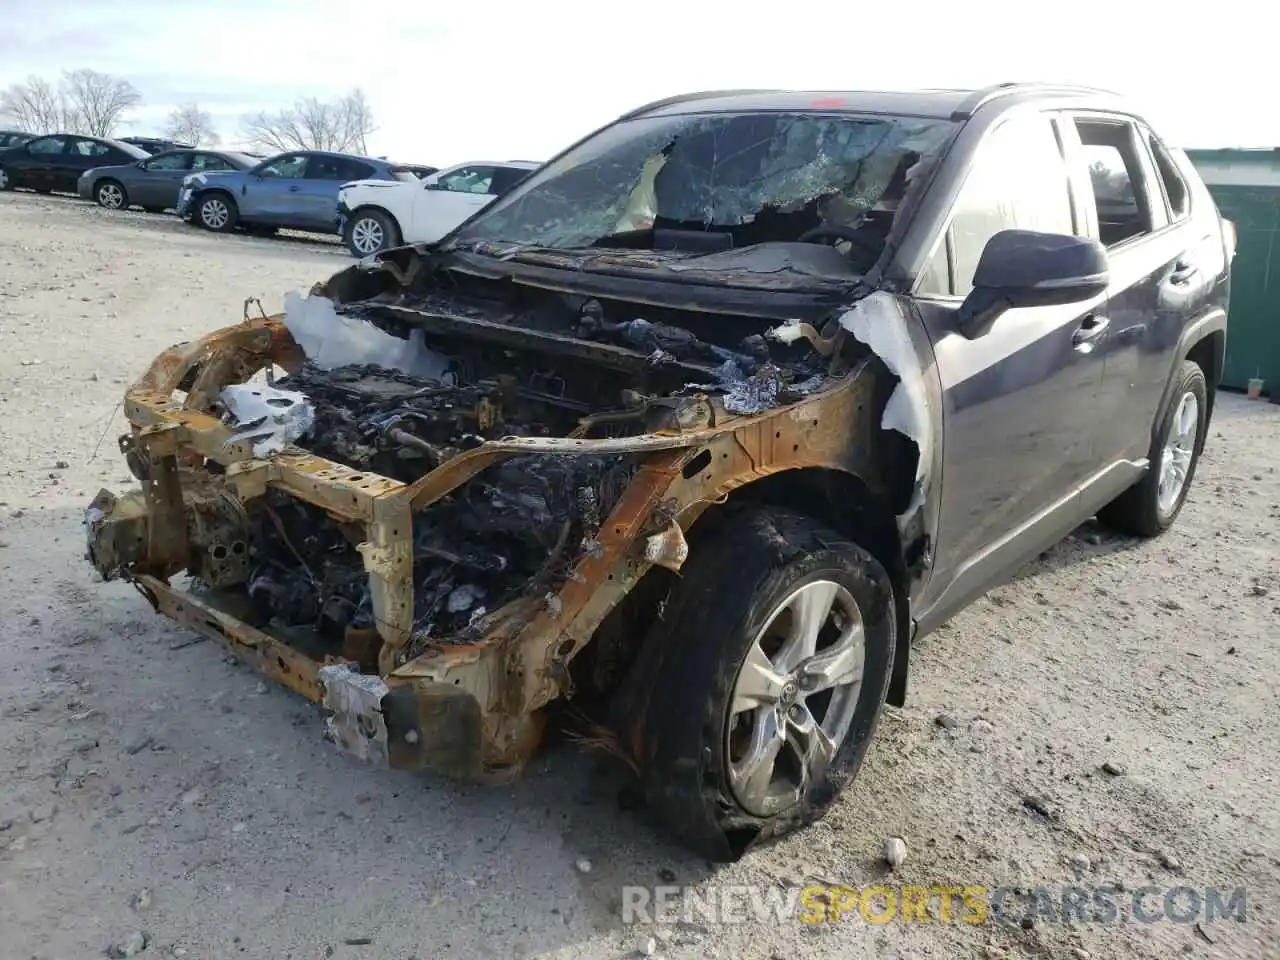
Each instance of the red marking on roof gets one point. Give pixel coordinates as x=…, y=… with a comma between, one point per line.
x=822, y=102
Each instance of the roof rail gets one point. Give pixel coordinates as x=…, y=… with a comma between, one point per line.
x=980, y=98
x=686, y=98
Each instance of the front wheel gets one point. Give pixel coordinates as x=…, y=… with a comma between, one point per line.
x=770, y=681
x=111, y=195
x=1149, y=508
x=370, y=231
x=217, y=212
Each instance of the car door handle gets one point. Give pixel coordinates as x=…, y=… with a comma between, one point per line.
x=1087, y=334
x=1183, y=271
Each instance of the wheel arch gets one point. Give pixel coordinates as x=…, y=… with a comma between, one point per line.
x=370, y=205
x=836, y=498
x=1204, y=343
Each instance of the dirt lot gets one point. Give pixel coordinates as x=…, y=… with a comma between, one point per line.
x=134, y=758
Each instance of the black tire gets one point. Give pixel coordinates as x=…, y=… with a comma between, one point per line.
x=382, y=223
x=107, y=191
x=724, y=596
x=6, y=179
x=1137, y=511
x=206, y=207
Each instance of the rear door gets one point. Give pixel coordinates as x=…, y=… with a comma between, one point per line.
x=36, y=167
x=84, y=155
x=1139, y=207
x=160, y=178
x=1020, y=404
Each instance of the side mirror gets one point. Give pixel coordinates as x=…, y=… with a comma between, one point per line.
x=1024, y=268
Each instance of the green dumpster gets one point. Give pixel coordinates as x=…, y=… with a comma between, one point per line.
x=1246, y=186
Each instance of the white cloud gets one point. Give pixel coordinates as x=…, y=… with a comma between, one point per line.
x=520, y=80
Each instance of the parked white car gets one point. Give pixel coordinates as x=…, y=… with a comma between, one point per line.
x=376, y=214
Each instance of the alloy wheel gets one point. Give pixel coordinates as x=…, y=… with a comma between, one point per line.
x=795, y=697
x=111, y=196
x=367, y=236
x=214, y=213
x=1179, y=449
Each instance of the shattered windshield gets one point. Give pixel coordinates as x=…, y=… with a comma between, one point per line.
x=744, y=178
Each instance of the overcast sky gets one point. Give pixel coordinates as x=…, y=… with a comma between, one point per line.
x=520, y=80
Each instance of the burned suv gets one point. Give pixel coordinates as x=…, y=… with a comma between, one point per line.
x=699, y=427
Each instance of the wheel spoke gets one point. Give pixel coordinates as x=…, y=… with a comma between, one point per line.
x=810, y=608
x=753, y=774
x=815, y=748
x=759, y=684
x=839, y=665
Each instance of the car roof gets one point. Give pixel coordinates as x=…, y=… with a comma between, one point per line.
x=335, y=153
x=933, y=104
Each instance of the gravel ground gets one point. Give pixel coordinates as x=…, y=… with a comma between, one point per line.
x=150, y=790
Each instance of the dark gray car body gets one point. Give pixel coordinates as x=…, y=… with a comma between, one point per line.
x=153, y=182
x=55, y=162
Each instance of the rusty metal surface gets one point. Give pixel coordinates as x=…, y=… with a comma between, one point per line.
x=492, y=689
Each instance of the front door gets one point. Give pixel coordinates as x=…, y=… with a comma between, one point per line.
x=274, y=193
x=160, y=179
x=1020, y=403
x=448, y=199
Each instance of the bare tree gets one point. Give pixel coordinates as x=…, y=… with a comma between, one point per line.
x=99, y=100
x=37, y=106
x=343, y=124
x=189, y=124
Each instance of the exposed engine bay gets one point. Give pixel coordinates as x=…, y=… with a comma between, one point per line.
x=431, y=395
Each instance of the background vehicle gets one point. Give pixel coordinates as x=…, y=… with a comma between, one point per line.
x=55, y=162
x=296, y=190
x=14, y=138
x=154, y=145
x=374, y=215
x=706, y=420
x=153, y=184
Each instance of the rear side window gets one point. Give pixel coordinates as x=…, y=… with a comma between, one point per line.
x=1018, y=182
x=1175, y=188
x=91, y=148
x=338, y=168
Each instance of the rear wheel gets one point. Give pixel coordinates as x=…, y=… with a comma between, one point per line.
x=369, y=231
x=217, y=212
x=771, y=681
x=111, y=194
x=1149, y=508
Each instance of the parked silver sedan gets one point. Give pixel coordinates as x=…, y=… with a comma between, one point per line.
x=153, y=183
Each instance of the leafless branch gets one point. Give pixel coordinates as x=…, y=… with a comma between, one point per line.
x=189, y=124
x=37, y=106
x=98, y=100
x=343, y=124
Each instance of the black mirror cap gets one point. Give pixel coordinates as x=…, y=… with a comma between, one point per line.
x=1025, y=268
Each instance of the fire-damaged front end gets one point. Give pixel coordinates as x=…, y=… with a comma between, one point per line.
x=416, y=495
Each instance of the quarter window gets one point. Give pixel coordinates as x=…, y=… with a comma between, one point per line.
x=1018, y=181
x=1175, y=188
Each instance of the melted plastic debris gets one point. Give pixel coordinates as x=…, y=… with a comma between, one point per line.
x=332, y=340
x=788, y=332
x=269, y=418
x=875, y=321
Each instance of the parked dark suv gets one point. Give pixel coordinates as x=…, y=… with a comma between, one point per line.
x=702, y=424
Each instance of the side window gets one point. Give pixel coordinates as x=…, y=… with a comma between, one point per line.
x=168, y=161
x=337, y=168
x=1175, y=188
x=1018, y=182
x=1110, y=150
x=467, y=180
x=90, y=148
x=45, y=146
x=504, y=178
x=209, y=161
x=291, y=166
